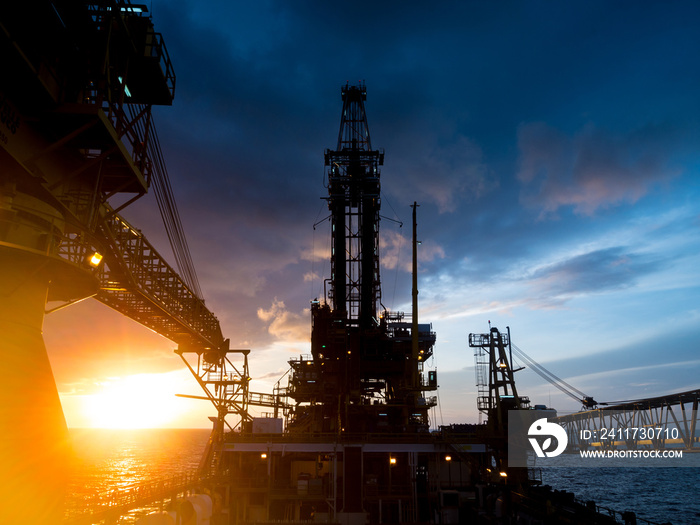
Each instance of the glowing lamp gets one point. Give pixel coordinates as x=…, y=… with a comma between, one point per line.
x=448, y=458
x=503, y=474
x=95, y=259
x=392, y=461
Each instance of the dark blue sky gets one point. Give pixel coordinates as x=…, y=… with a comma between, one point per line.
x=552, y=146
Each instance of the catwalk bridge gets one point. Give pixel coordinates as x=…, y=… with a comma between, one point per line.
x=658, y=423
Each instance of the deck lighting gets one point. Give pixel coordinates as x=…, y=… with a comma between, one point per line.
x=95, y=259
x=503, y=474
x=392, y=461
x=263, y=456
x=448, y=458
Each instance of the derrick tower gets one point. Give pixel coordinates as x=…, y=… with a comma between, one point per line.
x=354, y=201
x=363, y=374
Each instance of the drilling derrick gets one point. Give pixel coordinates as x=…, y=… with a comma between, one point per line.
x=363, y=374
x=355, y=448
x=353, y=199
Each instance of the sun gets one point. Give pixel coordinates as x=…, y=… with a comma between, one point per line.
x=135, y=401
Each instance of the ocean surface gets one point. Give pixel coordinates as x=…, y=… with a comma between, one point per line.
x=106, y=460
x=657, y=494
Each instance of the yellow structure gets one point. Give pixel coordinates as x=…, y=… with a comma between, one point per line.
x=76, y=90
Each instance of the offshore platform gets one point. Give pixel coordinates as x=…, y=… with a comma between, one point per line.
x=354, y=444
x=347, y=439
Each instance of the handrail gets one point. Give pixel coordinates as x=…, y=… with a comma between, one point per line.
x=120, y=500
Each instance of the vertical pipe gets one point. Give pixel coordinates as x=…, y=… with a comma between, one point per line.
x=414, y=309
x=510, y=349
x=693, y=423
x=339, y=248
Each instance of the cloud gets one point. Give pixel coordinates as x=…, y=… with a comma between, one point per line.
x=310, y=277
x=593, y=169
x=597, y=271
x=320, y=251
x=284, y=324
x=271, y=375
x=539, y=283
x=445, y=171
x=396, y=251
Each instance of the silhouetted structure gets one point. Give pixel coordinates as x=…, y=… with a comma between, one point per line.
x=356, y=443
x=363, y=375
x=77, y=145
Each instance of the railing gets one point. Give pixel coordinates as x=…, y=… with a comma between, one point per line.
x=121, y=500
x=136, y=281
x=265, y=400
x=160, y=52
x=350, y=438
x=152, y=292
x=659, y=423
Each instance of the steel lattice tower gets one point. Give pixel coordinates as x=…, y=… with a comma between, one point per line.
x=354, y=202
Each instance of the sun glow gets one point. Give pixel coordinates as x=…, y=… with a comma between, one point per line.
x=135, y=401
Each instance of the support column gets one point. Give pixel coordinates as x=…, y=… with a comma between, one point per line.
x=34, y=446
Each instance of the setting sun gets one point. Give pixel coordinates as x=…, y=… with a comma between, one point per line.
x=135, y=401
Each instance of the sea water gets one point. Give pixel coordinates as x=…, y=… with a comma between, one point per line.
x=657, y=494
x=106, y=460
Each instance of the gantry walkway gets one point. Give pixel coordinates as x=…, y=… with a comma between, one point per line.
x=657, y=423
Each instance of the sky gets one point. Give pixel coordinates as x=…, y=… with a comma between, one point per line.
x=552, y=148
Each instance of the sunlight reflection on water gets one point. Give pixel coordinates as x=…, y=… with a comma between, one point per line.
x=108, y=459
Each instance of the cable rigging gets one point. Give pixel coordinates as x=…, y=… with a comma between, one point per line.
x=566, y=388
x=168, y=209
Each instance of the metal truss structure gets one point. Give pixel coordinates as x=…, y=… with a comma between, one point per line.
x=354, y=201
x=658, y=423
x=78, y=146
x=495, y=379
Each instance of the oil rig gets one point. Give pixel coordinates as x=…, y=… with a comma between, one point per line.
x=366, y=368
x=348, y=438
